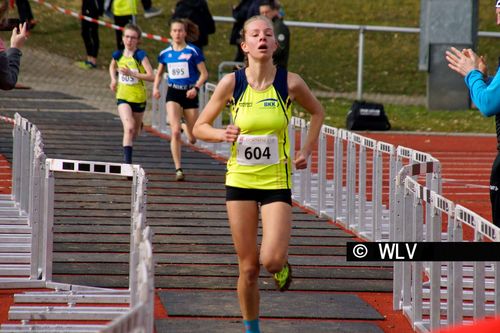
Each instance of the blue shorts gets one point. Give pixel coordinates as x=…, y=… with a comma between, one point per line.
x=136, y=107
x=179, y=96
x=261, y=196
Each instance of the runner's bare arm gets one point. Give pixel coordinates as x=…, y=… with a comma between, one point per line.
x=299, y=91
x=158, y=78
x=203, y=129
x=112, y=74
x=149, y=75
x=202, y=68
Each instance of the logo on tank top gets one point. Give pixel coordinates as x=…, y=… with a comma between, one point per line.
x=186, y=56
x=269, y=102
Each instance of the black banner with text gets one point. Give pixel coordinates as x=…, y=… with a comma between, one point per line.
x=423, y=251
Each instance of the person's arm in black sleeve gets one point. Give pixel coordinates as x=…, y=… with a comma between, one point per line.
x=100, y=7
x=11, y=58
x=209, y=20
x=240, y=11
x=9, y=68
x=283, y=38
x=181, y=11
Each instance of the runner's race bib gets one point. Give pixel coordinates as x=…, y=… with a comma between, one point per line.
x=257, y=150
x=127, y=79
x=178, y=70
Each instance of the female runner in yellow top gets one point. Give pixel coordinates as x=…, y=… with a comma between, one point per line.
x=259, y=168
x=133, y=68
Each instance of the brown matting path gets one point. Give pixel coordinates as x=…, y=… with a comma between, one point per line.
x=192, y=243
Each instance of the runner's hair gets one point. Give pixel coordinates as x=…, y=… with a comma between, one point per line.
x=133, y=27
x=244, y=30
x=191, y=28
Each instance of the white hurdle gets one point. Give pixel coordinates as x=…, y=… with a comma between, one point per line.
x=34, y=174
x=392, y=193
x=455, y=292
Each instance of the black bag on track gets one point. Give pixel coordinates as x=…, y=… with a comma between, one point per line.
x=367, y=116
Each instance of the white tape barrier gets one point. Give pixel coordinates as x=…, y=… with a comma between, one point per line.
x=93, y=20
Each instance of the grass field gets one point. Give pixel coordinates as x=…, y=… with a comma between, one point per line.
x=326, y=59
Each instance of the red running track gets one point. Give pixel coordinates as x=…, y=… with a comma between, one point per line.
x=466, y=164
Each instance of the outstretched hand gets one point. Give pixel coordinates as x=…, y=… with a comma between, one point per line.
x=465, y=61
x=19, y=36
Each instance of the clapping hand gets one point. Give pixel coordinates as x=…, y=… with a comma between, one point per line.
x=465, y=61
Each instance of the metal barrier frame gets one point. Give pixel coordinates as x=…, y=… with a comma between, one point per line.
x=400, y=209
x=33, y=194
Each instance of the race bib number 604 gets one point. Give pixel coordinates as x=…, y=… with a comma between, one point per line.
x=257, y=149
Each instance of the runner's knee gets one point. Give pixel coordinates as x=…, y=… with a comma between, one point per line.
x=273, y=262
x=129, y=131
x=176, y=133
x=249, y=272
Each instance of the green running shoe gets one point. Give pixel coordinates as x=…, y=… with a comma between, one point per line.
x=283, y=278
x=85, y=65
x=179, y=175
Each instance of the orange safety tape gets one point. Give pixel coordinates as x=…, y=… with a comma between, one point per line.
x=90, y=19
x=7, y=119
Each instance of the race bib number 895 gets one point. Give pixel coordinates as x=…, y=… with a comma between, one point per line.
x=257, y=149
x=178, y=70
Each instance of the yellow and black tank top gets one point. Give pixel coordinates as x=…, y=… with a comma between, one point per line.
x=260, y=158
x=131, y=89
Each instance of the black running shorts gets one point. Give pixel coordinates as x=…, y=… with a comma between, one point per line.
x=179, y=96
x=261, y=196
x=136, y=107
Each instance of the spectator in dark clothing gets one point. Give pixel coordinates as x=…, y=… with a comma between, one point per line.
x=271, y=9
x=149, y=10
x=253, y=8
x=10, y=58
x=124, y=12
x=196, y=11
x=25, y=13
x=241, y=12
x=90, y=32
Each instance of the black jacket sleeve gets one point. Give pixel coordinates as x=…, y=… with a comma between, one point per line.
x=182, y=10
x=9, y=68
x=208, y=18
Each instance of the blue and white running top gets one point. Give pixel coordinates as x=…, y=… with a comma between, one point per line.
x=484, y=92
x=181, y=65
